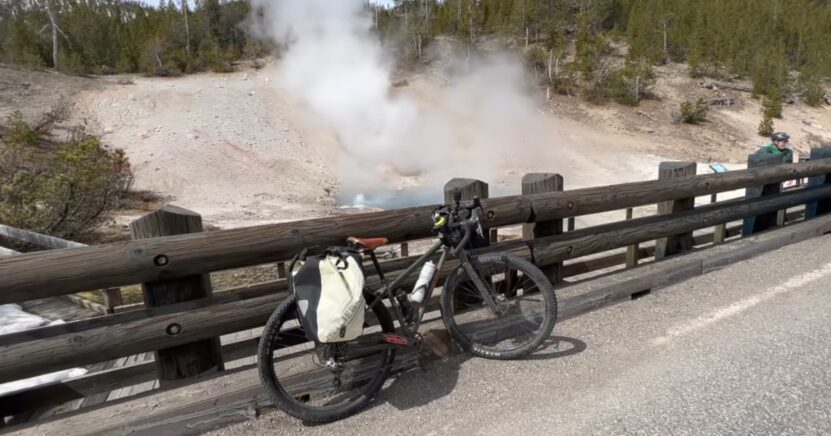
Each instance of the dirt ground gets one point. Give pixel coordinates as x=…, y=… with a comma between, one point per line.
x=239, y=150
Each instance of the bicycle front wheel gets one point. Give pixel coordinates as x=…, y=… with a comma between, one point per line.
x=317, y=382
x=526, y=307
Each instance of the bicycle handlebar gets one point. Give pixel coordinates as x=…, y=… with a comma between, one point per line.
x=466, y=224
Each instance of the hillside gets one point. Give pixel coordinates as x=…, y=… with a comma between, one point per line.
x=241, y=150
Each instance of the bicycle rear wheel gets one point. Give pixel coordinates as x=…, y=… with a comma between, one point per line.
x=316, y=382
x=525, y=298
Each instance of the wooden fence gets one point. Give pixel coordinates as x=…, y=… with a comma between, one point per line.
x=112, y=296
x=182, y=319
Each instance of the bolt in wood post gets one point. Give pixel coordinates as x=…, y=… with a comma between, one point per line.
x=198, y=357
x=537, y=183
x=682, y=242
x=632, y=250
x=766, y=221
x=822, y=207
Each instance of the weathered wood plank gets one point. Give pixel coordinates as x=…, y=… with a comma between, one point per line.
x=683, y=241
x=676, y=269
x=8, y=252
x=632, y=251
x=821, y=207
x=537, y=183
x=601, y=238
x=37, y=239
x=762, y=222
x=190, y=359
x=39, y=275
x=606, y=198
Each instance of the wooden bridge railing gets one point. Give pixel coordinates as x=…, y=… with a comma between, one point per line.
x=64, y=271
x=112, y=296
x=171, y=258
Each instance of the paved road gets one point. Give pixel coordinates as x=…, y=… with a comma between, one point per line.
x=744, y=350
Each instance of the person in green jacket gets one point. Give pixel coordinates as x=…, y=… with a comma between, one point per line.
x=778, y=146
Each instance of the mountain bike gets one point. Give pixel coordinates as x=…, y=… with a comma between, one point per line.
x=494, y=305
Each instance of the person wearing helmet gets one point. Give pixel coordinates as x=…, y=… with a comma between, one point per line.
x=778, y=146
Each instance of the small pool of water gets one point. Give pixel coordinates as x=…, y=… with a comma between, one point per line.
x=407, y=198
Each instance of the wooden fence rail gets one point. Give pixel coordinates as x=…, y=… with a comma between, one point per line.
x=37, y=239
x=7, y=252
x=46, y=274
x=168, y=259
x=112, y=296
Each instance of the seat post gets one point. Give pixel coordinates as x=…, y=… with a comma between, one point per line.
x=377, y=265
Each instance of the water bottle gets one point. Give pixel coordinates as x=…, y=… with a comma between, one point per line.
x=424, y=278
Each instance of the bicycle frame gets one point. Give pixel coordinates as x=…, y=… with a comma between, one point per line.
x=387, y=289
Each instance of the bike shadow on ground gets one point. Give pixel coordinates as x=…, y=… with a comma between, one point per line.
x=419, y=387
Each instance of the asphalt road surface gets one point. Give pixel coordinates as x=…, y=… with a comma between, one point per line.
x=744, y=350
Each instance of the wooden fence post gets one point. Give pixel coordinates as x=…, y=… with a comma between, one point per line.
x=113, y=299
x=632, y=250
x=537, y=183
x=470, y=188
x=191, y=359
x=719, y=231
x=766, y=221
x=682, y=242
x=815, y=209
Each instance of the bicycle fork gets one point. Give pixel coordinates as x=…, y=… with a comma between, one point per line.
x=485, y=290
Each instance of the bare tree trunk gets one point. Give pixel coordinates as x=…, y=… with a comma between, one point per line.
x=666, y=45
x=187, y=26
x=523, y=23
x=526, y=38
x=637, y=90
x=458, y=15
x=799, y=50
x=55, y=30
x=550, y=63
x=472, y=38
x=427, y=15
